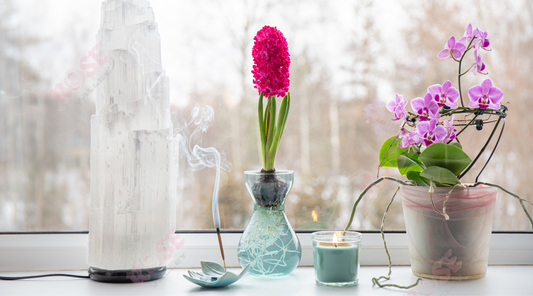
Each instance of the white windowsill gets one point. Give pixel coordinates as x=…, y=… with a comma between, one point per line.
x=500, y=280
x=69, y=251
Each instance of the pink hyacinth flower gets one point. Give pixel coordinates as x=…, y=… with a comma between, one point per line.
x=485, y=96
x=397, y=107
x=271, y=62
x=430, y=132
x=478, y=66
x=426, y=107
x=450, y=129
x=452, y=49
x=444, y=94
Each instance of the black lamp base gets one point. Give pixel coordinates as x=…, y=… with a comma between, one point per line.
x=127, y=276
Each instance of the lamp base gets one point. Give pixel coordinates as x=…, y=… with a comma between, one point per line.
x=127, y=276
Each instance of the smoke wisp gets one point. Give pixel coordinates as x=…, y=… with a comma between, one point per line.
x=200, y=119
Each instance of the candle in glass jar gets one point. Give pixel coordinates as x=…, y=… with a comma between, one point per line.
x=336, y=257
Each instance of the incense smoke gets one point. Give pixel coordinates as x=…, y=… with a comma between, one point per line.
x=201, y=118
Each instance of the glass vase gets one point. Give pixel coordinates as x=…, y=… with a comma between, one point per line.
x=269, y=243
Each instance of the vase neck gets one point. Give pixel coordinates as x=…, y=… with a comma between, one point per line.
x=269, y=190
x=279, y=207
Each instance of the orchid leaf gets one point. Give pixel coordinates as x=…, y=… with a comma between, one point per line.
x=415, y=176
x=446, y=156
x=440, y=175
x=457, y=144
x=388, y=155
x=408, y=164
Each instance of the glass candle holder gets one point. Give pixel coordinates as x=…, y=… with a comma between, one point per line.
x=336, y=256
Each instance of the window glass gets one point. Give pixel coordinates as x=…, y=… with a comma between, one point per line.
x=348, y=58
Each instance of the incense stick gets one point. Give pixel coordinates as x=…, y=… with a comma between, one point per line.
x=221, y=248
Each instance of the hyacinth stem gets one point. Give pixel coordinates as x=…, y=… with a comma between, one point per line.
x=271, y=118
x=262, y=131
x=272, y=128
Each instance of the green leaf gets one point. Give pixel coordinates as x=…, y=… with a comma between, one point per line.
x=288, y=97
x=415, y=176
x=440, y=175
x=282, y=118
x=445, y=156
x=270, y=133
x=388, y=155
x=457, y=144
x=407, y=164
x=262, y=132
x=278, y=133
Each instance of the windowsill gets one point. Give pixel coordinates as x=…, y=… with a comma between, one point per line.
x=34, y=252
x=500, y=280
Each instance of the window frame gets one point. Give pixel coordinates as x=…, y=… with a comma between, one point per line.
x=33, y=251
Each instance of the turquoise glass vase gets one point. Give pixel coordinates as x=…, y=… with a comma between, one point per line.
x=269, y=244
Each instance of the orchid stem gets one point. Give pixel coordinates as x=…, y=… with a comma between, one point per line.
x=365, y=191
x=459, y=77
x=375, y=281
x=482, y=149
x=512, y=194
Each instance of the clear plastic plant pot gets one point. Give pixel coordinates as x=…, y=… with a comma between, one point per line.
x=454, y=249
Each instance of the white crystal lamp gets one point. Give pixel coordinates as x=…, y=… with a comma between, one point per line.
x=133, y=152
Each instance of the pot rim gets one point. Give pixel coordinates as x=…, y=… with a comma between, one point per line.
x=447, y=189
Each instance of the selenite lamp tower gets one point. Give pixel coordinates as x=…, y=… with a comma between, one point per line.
x=133, y=153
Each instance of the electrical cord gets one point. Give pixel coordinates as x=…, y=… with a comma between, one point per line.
x=13, y=278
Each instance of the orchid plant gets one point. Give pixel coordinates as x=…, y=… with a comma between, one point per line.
x=271, y=78
x=427, y=149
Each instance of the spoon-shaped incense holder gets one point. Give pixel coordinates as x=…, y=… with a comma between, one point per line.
x=213, y=275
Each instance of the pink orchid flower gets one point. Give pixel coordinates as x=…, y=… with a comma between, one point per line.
x=482, y=42
x=397, y=107
x=468, y=35
x=410, y=140
x=430, y=132
x=426, y=107
x=478, y=66
x=450, y=129
x=485, y=96
x=452, y=49
x=444, y=94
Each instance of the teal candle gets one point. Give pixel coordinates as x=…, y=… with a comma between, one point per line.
x=336, y=257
